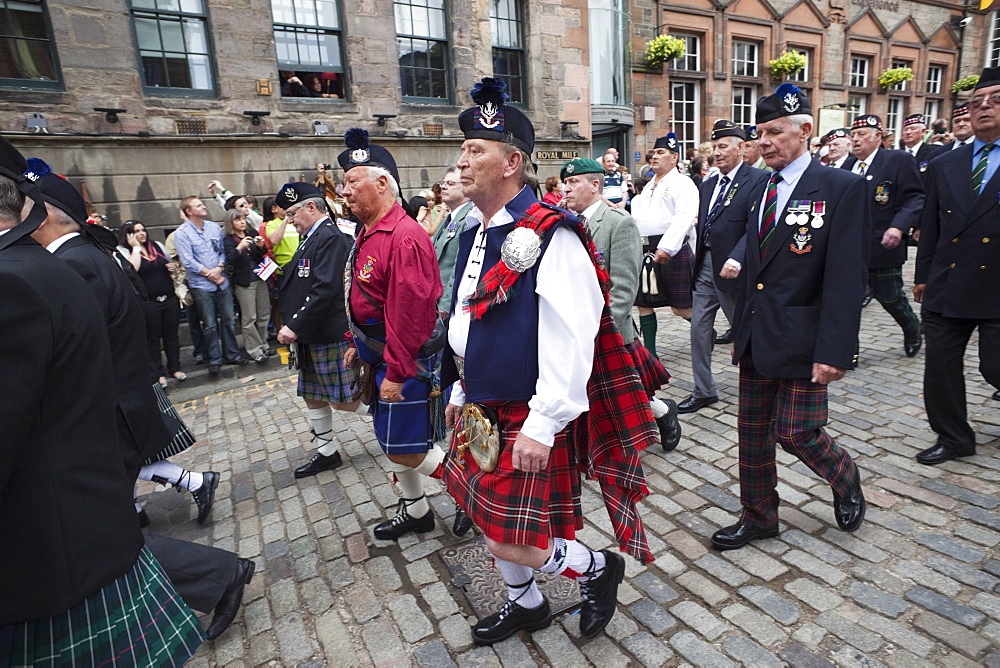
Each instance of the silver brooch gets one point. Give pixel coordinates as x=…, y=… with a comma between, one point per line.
x=521, y=249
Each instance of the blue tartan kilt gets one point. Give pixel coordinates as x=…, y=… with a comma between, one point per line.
x=322, y=376
x=405, y=427
x=136, y=620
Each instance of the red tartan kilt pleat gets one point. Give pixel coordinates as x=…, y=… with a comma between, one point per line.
x=652, y=374
x=515, y=507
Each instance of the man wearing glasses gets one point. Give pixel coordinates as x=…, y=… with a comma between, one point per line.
x=446, y=237
x=958, y=272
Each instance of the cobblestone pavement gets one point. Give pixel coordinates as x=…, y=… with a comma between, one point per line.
x=918, y=584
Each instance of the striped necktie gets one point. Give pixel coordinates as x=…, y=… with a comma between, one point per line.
x=723, y=187
x=862, y=166
x=980, y=171
x=770, y=212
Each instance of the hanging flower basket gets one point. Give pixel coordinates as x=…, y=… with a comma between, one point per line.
x=895, y=76
x=787, y=63
x=664, y=48
x=967, y=83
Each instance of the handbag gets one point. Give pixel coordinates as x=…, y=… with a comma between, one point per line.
x=364, y=381
x=480, y=435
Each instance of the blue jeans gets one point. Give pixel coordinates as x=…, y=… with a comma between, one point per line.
x=210, y=305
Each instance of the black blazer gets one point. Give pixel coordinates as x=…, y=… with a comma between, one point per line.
x=958, y=257
x=141, y=431
x=898, y=177
x=925, y=153
x=728, y=228
x=313, y=306
x=67, y=525
x=801, y=303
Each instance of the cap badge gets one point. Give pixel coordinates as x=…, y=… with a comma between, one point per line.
x=487, y=115
x=360, y=155
x=872, y=121
x=791, y=102
x=290, y=194
x=570, y=168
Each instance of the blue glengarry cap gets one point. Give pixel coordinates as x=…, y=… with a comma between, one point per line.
x=491, y=118
x=788, y=100
x=723, y=128
x=362, y=153
x=668, y=142
x=291, y=194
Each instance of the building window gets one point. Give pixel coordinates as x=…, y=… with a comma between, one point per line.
x=744, y=99
x=422, y=41
x=744, y=59
x=686, y=113
x=896, y=64
x=860, y=65
x=691, y=62
x=935, y=75
x=309, y=46
x=803, y=74
x=994, y=48
x=894, y=117
x=932, y=110
x=857, y=105
x=27, y=52
x=507, y=24
x=173, y=45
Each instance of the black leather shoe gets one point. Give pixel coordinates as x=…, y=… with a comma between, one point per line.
x=319, y=463
x=940, y=454
x=199, y=359
x=214, y=369
x=204, y=496
x=670, y=427
x=912, y=346
x=868, y=298
x=724, y=339
x=600, y=595
x=239, y=361
x=143, y=519
x=690, y=405
x=510, y=619
x=402, y=523
x=850, y=510
x=232, y=598
x=462, y=522
x=738, y=535
x=995, y=396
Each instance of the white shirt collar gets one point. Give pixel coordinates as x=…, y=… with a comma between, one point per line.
x=501, y=217
x=589, y=212
x=54, y=246
x=868, y=160
x=792, y=171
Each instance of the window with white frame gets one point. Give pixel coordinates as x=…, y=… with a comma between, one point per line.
x=691, y=61
x=744, y=99
x=860, y=66
x=803, y=74
x=993, y=53
x=932, y=110
x=745, y=58
x=857, y=105
x=686, y=113
x=894, y=116
x=897, y=64
x=935, y=77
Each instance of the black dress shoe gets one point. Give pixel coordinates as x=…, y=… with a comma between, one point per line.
x=510, y=619
x=670, y=427
x=724, y=339
x=239, y=361
x=214, y=369
x=939, y=454
x=199, y=359
x=462, y=522
x=738, y=535
x=912, y=346
x=995, y=396
x=402, y=523
x=319, y=463
x=850, y=510
x=204, y=496
x=143, y=519
x=868, y=298
x=600, y=595
x=690, y=405
x=232, y=598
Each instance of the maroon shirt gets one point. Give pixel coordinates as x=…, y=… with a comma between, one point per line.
x=396, y=280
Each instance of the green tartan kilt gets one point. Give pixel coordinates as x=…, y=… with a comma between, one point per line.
x=136, y=620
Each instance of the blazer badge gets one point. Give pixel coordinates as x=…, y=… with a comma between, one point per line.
x=800, y=242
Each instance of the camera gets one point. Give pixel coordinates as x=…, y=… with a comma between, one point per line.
x=327, y=166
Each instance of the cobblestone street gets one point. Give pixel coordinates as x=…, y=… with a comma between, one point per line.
x=918, y=584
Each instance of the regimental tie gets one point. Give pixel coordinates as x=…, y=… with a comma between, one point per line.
x=723, y=187
x=980, y=171
x=770, y=213
x=862, y=166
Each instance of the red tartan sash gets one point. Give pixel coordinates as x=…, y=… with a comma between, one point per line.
x=619, y=424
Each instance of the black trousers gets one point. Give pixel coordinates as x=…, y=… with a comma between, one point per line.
x=162, y=322
x=199, y=573
x=944, y=376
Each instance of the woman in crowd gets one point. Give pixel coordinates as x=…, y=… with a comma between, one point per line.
x=553, y=193
x=244, y=251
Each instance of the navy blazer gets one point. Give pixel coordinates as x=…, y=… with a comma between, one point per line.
x=728, y=228
x=801, y=303
x=899, y=180
x=958, y=257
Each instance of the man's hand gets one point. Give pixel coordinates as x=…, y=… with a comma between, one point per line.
x=349, y=356
x=451, y=415
x=824, y=374
x=891, y=238
x=390, y=392
x=218, y=280
x=529, y=455
x=915, y=234
x=729, y=271
x=287, y=336
x=661, y=256
x=918, y=292
x=213, y=274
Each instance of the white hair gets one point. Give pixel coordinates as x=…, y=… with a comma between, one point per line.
x=799, y=119
x=375, y=171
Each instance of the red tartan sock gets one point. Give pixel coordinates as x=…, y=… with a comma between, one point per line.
x=572, y=559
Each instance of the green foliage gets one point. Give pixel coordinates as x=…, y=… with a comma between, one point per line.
x=787, y=63
x=895, y=76
x=664, y=48
x=967, y=83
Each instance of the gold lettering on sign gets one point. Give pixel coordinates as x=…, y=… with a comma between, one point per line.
x=263, y=86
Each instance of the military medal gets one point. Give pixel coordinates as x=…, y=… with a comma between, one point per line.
x=303, y=268
x=882, y=193
x=731, y=194
x=798, y=212
x=923, y=166
x=818, y=211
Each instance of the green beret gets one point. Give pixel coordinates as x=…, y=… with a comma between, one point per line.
x=581, y=166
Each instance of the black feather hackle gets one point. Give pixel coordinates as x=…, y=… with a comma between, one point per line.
x=356, y=138
x=490, y=89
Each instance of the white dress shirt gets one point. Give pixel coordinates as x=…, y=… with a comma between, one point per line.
x=790, y=176
x=54, y=246
x=667, y=206
x=715, y=194
x=868, y=163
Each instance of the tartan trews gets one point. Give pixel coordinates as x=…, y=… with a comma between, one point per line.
x=887, y=288
x=790, y=412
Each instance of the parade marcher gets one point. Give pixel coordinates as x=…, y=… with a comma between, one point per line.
x=529, y=326
x=78, y=586
x=838, y=143
x=721, y=231
x=311, y=300
x=797, y=318
x=961, y=127
x=394, y=290
x=914, y=129
x=445, y=240
x=617, y=240
x=957, y=278
x=752, y=156
x=897, y=198
x=665, y=213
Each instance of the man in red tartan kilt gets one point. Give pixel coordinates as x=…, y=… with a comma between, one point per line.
x=531, y=333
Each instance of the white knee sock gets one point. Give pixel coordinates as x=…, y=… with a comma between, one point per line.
x=658, y=407
x=167, y=473
x=322, y=426
x=521, y=587
x=572, y=559
x=431, y=462
x=411, y=486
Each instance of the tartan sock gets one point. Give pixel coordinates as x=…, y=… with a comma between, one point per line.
x=431, y=466
x=647, y=327
x=411, y=488
x=658, y=407
x=167, y=473
x=521, y=587
x=322, y=429
x=572, y=559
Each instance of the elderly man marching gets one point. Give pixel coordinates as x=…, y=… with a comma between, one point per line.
x=394, y=288
x=532, y=335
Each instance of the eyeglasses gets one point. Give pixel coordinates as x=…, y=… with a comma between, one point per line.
x=977, y=102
